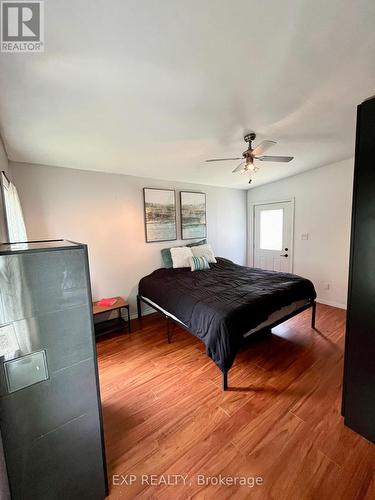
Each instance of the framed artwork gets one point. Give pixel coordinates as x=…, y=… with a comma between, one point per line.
x=193, y=215
x=160, y=214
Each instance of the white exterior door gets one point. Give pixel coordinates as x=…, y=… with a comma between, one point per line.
x=273, y=236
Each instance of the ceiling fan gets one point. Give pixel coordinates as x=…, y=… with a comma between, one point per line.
x=247, y=164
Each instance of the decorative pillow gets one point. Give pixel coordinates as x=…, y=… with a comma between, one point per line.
x=197, y=243
x=166, y=257
x=166, y=253
x=204, y=251
x=198, y=263
x=181, y=256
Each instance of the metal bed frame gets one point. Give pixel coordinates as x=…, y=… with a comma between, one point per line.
x=267, y=329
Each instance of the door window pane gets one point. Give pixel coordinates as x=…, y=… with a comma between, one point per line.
x=271, y=229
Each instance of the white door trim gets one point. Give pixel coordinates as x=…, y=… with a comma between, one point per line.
x=251, y=228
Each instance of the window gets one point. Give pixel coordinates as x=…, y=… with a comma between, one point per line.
x=271, y=229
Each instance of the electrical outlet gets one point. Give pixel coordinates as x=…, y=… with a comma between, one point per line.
x=304, y=236
x=326, y=286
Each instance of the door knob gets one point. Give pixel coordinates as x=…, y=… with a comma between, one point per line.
x=284, y=255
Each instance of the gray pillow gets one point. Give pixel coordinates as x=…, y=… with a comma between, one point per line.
x=166, y=253
x=197, y=243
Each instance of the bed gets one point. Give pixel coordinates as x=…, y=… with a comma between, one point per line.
x=222, y=306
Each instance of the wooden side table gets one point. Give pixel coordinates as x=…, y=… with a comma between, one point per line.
x=111, y=325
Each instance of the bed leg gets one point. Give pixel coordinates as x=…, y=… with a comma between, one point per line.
x=313, y=315
x=139, y=307
x=168, y=329
x=225, y=380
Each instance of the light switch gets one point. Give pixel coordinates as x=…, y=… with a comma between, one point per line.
x=304, y=236
x=26, y=370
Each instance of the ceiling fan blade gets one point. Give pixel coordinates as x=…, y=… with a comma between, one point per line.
x=262, y=147
x=241, y=168
x=224, y=159
x=283, y=159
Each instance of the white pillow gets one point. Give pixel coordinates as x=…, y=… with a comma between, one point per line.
x=181, y=256
x=204, y=251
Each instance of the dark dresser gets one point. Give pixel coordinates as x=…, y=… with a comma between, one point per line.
x=358, y=405
x=50, y=410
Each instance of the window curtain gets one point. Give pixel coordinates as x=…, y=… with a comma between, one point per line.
x=15, y=297
x=13, y=212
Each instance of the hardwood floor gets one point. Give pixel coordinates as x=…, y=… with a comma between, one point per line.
x=165, y=414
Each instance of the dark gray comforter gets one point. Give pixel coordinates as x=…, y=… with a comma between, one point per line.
x=219, y=305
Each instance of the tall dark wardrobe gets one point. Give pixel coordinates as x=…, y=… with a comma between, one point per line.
x=358, y=405
x=50, y=411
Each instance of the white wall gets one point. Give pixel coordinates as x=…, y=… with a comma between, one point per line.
x=323, y=202
x=3, y=166
x=106, y=212
x=3, y=158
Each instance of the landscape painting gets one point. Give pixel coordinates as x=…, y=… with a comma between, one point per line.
x=160, y=214
x=193, y=215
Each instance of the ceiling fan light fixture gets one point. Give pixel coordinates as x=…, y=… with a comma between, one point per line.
x=244, y=169
x=249, y=165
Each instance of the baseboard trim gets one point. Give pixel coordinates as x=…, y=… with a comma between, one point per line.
x=331, y=303
x=145, y=312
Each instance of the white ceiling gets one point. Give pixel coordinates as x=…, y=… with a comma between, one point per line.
x=153, y=88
